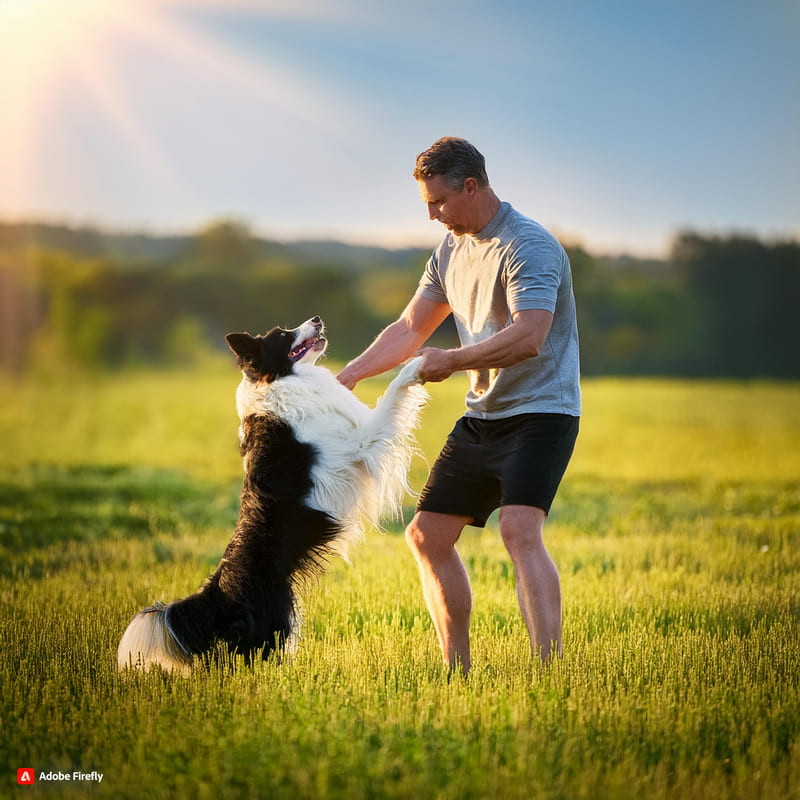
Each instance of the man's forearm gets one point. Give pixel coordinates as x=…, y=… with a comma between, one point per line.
x=504, y=349
x=521, y=340
x=398, y=342
x=393, y=345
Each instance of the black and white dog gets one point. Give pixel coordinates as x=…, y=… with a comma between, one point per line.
x=320, y=467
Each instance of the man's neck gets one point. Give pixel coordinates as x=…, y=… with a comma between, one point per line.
x=489, y=206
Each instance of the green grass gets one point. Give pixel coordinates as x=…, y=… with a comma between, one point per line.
x=677, y=534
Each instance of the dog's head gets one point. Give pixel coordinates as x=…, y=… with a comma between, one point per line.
x=273, y=355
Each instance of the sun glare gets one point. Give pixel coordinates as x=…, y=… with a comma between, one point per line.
x=48, y=45
x=66, y=61
x=43, y=33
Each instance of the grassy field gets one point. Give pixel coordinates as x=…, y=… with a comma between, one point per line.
x=677, y=534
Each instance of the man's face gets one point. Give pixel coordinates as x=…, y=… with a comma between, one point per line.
x=454, y=208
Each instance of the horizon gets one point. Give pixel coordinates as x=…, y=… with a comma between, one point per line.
x=398, y=243
x=111, y=230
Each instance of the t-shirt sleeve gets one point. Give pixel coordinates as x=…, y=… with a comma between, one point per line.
x=430, y=284
x=532, y=275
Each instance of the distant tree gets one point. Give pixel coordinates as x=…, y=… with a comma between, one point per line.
x=745, y=295
x=223, y=246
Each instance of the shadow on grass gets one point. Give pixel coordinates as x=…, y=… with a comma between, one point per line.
x=46, y=505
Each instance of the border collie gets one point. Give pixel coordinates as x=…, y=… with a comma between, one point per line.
x=320, y=467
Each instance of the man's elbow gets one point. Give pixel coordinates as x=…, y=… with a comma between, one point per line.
x=534, y=327
x=531, y=348
x=520, y=354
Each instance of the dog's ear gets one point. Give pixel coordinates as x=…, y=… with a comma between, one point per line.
x=243, y=345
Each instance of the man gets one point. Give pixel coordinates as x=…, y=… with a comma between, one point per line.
x=507, y=282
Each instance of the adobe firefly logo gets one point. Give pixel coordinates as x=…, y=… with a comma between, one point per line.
x=26, y=776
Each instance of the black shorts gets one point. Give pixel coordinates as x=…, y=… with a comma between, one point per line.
x=489, y=463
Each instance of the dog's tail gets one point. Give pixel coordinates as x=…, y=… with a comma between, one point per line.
x=154, y=638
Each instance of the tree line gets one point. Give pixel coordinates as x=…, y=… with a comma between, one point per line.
x=716, y=307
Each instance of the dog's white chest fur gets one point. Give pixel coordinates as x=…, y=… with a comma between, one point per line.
x=363, y=454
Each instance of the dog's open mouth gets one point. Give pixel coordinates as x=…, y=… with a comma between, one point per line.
x=316, y=342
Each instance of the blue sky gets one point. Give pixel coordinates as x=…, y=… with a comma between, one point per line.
x=614, y=123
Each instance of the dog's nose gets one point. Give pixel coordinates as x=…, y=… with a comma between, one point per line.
x=315, y=320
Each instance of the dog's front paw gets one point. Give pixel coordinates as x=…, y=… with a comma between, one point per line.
x=409, y=375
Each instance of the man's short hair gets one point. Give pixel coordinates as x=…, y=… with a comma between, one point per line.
x=454, y=159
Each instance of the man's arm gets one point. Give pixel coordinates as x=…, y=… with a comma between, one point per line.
x=522, y=339
x=421, y=317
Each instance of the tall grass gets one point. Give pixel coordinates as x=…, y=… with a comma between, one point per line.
x=677, y=534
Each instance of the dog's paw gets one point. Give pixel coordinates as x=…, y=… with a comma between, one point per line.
x=409, y=375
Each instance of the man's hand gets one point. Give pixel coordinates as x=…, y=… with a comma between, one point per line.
x=437, y=365
x=347, y=378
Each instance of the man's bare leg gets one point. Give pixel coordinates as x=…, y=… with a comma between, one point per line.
x=538, y=584
x=432, y=538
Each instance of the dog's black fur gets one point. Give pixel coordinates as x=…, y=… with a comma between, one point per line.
x=249, y=602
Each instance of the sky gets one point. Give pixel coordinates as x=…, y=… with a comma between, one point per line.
x=616, y=124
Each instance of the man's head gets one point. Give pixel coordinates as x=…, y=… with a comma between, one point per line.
x=452, y=180
x=455, y=160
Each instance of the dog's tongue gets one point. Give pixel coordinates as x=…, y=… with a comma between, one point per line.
x=303, y=348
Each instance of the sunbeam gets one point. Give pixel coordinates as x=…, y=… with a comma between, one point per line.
x=72, y=64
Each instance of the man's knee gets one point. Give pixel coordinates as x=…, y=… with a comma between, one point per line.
x=415, y=536
x=521, y=527
x=429, y=533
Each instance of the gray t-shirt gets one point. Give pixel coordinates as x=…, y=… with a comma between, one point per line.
x=513, y=264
